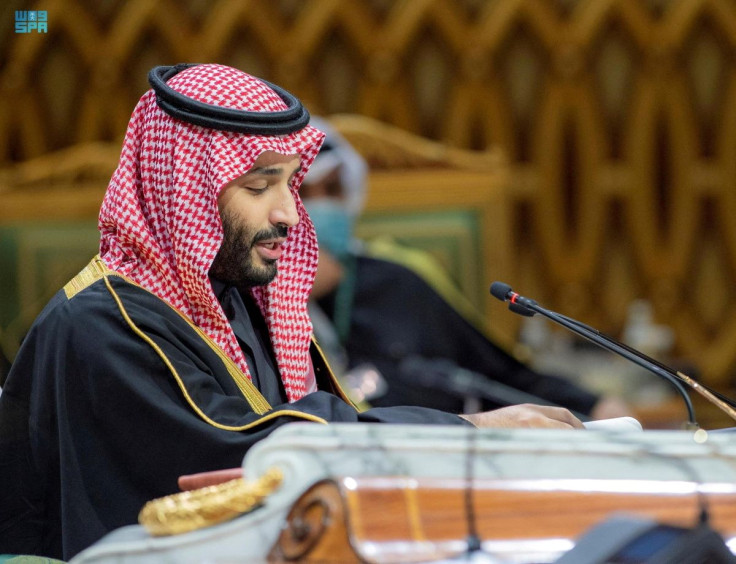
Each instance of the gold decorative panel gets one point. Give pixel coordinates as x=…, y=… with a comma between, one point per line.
x=618, y=118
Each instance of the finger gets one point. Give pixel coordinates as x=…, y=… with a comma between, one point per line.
x=571, y=420
x=562, y=415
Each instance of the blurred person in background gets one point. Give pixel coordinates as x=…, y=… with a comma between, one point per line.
x=383, y=309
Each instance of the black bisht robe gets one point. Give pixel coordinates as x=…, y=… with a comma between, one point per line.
x=111, y=398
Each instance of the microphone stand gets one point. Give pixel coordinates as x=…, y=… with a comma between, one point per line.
x=525, y=306
x=718, y=399
x=707, y=394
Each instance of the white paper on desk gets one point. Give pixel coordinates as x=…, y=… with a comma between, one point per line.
x=618, y=424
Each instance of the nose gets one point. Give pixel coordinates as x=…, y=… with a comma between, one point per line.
x=284, y=212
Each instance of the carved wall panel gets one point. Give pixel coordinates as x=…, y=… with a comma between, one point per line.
x=618, y=118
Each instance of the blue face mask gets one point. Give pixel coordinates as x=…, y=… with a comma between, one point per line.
x=334, y=225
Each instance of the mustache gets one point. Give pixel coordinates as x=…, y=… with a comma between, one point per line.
x=278, y=231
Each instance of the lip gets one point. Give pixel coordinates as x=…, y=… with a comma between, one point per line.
x=270, y=249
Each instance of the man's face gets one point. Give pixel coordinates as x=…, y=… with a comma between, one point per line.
x=257, y=210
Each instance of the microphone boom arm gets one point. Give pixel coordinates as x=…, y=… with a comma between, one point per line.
x=525, y=306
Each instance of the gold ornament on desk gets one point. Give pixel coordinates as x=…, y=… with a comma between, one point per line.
x=196, y=509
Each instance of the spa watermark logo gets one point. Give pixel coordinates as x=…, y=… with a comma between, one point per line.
x=28, y=21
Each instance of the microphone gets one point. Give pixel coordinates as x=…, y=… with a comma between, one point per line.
x=517, y=303
x=525, y=306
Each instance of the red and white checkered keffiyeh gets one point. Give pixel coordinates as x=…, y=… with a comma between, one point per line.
x=160, y=224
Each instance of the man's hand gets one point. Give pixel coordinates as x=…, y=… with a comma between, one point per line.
x=527, y=416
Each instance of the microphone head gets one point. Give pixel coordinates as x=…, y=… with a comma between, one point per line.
x=500, y=291
x=521, y=310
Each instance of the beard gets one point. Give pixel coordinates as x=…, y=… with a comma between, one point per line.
x=234, y=263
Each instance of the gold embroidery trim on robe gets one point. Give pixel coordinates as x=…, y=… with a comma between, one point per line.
x=97, y=270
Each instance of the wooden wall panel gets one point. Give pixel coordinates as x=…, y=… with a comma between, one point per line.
x=618, y=118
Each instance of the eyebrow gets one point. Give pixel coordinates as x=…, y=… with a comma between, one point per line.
x=272, y=170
